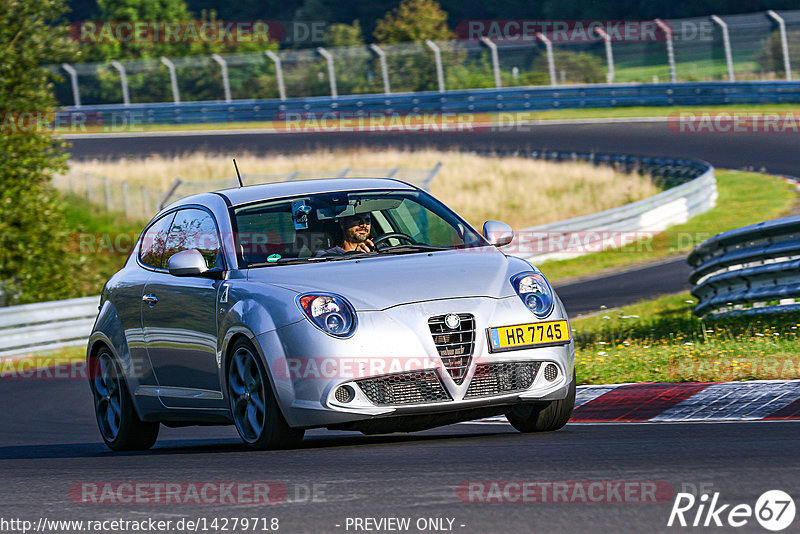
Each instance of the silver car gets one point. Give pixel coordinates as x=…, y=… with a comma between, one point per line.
x=245, y=307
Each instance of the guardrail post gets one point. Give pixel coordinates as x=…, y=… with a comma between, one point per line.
x=223, y=66
x=726, y=42
x=551, y=64
x=173, y=79
x=609, y=54
x=331, y=72
x=784, y=42
x=673, y=77
x=437, y=55
x=73, y=78
x=495, y=60
x=123, y=80
x=384, y=68
x=278, y=73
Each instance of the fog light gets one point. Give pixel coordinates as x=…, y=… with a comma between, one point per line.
x=344, y=394
x=550, y=372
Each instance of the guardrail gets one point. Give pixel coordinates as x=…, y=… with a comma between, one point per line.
x=46, y=325
x=750, y=270
x=123, y=118
x=691, y=189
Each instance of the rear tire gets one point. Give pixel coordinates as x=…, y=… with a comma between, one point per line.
x=119, y=425
x=254, y=408
x=543, y=416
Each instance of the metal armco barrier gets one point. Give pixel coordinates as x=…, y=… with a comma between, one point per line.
x=749, y=270
x=691, y=189
x=125, y=118
x=46, y=325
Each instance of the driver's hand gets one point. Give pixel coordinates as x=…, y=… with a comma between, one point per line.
x=366, y=246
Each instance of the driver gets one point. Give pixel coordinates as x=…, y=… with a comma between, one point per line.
x=355, y=235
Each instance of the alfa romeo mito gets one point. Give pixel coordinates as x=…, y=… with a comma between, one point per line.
x=349, y=304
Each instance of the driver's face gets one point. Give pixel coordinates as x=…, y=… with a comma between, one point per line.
x=356, y=228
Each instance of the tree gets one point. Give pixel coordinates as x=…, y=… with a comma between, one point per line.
x=413, y=20
x=35, y=263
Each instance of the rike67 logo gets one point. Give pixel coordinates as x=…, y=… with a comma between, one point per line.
x=774, y=510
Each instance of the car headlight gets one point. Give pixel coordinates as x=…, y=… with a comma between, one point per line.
x=330, y=313
x=535, y=292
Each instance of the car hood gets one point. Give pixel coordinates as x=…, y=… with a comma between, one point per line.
x=379, y=282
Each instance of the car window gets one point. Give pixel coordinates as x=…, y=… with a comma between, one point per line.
x=193, y=229
x=308, y=227
x=154, y=241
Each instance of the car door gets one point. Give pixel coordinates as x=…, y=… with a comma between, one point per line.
x=179, y=316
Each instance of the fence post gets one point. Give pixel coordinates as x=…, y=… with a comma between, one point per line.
x=126, y=201
x=784, y=43
x=145, y=202
x=331, y=72
x=108, y=193
x=551, y=64
x=278, y=73
x=426, y=184
x=73, y=78
x=384, y=68
x=89, y=187
x=495, y=60
x=609, y=54
x=173, y=79
x=726, y=42
x=123, y=80
x=223, y=67
x=437, y=54
x=175, y=185
x=673, y=76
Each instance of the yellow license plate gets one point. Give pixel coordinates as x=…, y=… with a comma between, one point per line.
x=523, y=336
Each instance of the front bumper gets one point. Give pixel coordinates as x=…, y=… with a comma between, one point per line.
x=395, y=347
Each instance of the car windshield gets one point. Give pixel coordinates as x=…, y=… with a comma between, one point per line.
x=309, y=228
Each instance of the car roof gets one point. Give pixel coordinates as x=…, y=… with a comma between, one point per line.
x=250, y=193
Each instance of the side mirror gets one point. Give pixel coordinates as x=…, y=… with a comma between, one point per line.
x=498, y=233
x=187, y=263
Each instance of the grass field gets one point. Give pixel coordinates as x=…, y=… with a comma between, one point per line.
x=661, y=341
x=744, y=198
x=519, y=191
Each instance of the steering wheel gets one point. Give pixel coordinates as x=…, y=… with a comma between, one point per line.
x=381, y=239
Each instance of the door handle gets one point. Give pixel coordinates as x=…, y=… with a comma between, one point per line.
x=150, y=299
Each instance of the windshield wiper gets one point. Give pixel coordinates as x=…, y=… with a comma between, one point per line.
x=310, y=259
x=407, y=249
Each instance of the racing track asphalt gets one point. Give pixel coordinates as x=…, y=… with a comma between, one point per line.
x=50, y=442
x=50, y=445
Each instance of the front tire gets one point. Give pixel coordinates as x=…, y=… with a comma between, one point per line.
x=254, y=408
x=543, y=416
x=120, y=426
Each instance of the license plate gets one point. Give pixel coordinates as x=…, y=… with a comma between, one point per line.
x=523, y=336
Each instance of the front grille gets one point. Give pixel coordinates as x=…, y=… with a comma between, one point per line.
x=501, y=378
x=418, y=387
x=454, y=346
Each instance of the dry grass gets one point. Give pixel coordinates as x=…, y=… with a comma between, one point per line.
x=520, y=191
